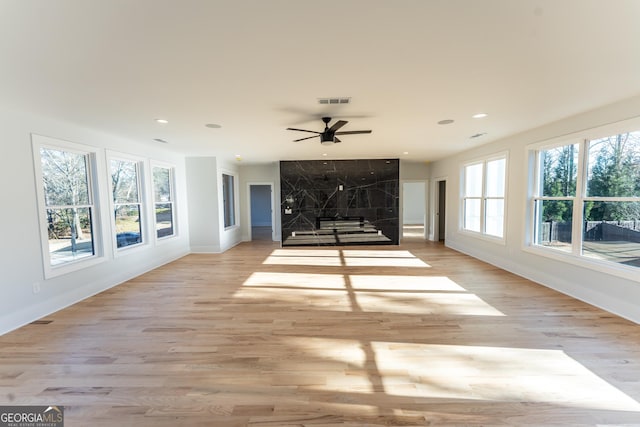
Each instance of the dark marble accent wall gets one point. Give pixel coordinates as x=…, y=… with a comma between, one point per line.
x=340, y=189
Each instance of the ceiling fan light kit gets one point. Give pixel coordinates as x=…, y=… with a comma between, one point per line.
x=328, y=136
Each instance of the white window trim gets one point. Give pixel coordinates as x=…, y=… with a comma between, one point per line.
x=236, y=204
x=94, y=155
x=482, y=234
x=172, y=181
x=532, y=166
x=141, y=164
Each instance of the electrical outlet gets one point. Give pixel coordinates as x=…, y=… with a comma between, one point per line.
x=36, y=287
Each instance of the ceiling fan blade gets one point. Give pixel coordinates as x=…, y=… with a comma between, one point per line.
x=352, y=132
x=336, y=140
x=302, y=139
x=304, y=130
x=337, y=125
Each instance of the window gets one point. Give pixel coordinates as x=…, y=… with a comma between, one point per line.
x=483, y=197
x=163, y=201
x=66, y=196
x=556, y=196
x=228, y=200
x=587, y=200
x=127, y=205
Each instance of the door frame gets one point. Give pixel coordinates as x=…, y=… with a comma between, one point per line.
x=426, y=205
x=434, y=234
x=273, y=217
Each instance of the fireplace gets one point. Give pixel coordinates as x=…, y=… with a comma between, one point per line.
x=339, y=202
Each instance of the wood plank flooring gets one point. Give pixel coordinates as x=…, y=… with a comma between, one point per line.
x=406, y=335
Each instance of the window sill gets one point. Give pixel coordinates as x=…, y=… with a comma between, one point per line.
x=125, y=250
x=606, y=267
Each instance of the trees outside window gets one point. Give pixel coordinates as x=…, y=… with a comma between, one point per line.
x=588, y=198
x=554, y=204
x=68, y=201
x=127, y=202
x=612, y=203
x=163, y=201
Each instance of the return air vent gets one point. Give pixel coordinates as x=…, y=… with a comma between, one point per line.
x=343, y=100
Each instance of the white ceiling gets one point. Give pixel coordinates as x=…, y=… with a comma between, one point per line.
x=258, y=67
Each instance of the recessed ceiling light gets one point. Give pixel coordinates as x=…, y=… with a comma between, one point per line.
x=162, y=121
x=213, y=126
x=324, y=154
x=160, y=140
x=478, y=135
x=445, y=122
x=238, y=157
x=406, y=152
x=479, y=115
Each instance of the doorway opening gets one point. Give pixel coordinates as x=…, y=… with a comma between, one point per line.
x=261, y=211
x=441, y=214
x=414, y=209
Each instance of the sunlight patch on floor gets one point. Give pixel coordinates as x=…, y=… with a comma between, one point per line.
x=296, y=280
x=498, y=374
x=404, y=283
x=322, y=261
x=348, y=258
x=377, y=253
x=384, y=262
x=296, y=298
x=306, y=252
x=461, y=304
x=405, y=294
x=492, y=374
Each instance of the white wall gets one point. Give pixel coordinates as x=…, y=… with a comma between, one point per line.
x=21, y=259
x=413, y=171
x=206, y=209
x=610, y=292
x=414, y=202
x=202, y=194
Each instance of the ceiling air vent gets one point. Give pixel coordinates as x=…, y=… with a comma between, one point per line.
x=478, y=135
x=342, y=100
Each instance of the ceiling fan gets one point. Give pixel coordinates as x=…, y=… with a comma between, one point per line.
x=328, y=136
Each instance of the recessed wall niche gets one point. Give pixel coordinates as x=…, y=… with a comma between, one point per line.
x=340, y=202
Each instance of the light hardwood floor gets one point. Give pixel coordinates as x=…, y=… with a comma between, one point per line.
x=354, y=336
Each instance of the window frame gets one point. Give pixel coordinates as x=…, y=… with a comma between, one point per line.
x=575, y=256
x=142, y=204
x=92, y=156
x=172, y=169
x=537, y=189
x=223, y=198
x=484, y=161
